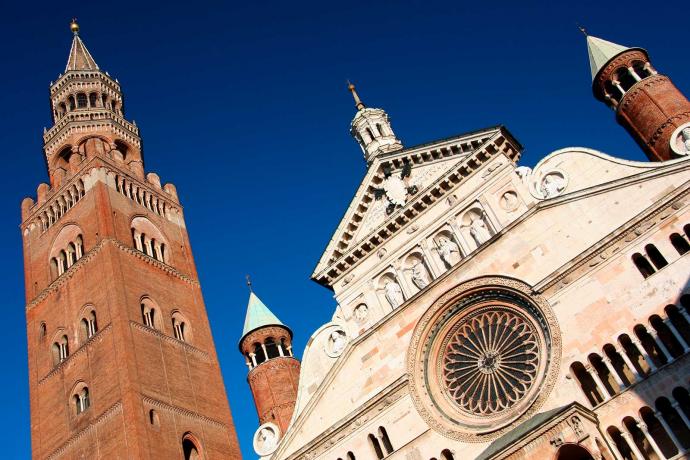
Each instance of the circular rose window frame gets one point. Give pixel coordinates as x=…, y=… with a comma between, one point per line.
x=430, y=339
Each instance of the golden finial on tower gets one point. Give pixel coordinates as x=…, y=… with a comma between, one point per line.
x=358, y=102
x=74, y=26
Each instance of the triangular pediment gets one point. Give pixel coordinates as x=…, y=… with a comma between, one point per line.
x=395, y=187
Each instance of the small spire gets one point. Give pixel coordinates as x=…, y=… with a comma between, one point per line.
x=249, y=284
x=74, y=26
x=583, y=30
x=358, y=102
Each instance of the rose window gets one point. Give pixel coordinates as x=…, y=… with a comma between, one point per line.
x=490, y=362
x=483, y=358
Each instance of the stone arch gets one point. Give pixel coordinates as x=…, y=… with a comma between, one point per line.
x=59, y=346
x=573, y=452
x=191, y=447
x=151, y=313
x=182, y=329
x=87, y=323
x=148, y=239
x=80, y=397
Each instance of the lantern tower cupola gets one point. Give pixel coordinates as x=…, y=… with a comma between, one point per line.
x=87, y=102
x=372, y=130
x=647, y=104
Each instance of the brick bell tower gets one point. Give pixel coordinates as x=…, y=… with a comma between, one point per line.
x=121, y=358
x=273, y=378
x=647, y=104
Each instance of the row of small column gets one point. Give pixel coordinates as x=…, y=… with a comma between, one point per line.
x=149, y=246
x=631, y=71
x=640, y=348
x=61, y=205
x=141, y=196
x=251, y=362
x=628, y=436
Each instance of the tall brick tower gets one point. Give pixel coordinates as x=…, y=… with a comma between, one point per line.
x=647, y=104
x=121, y=358
x=266, y=344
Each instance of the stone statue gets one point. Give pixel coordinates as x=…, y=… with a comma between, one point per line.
x=552, y=185
x=685, y=133
x=419, y=275
x=478, y=229
x=446, y=248
x=523, y=172
x=361, y=312
x=337, y=342
x=393, y=293
x=265, y=440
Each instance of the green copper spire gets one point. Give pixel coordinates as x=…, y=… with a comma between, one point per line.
x=601, y=52
x=258, y=315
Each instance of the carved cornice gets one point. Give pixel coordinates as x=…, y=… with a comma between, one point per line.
x=189, y=348
x=348, y=425
x=62, y=279
x=183, y=412
x=273, y=364
x=501, y=142
x=81, y=350
x=617, y=240
x=109, y=413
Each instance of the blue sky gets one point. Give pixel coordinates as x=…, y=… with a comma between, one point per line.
x=243, y=106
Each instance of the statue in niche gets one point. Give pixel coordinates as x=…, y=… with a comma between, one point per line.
x=445, y=250
x=419, y=275
x=552, y=184
x=393, y=293
x=336, y=343
x=685, y=134
x=478, y=228
x=361, y=312
x=266, y=440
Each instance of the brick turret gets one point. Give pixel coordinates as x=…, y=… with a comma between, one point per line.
x=647, y=104
x=266, y=344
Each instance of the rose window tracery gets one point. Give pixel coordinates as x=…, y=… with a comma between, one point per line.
x=490, y=362
x=483, y=358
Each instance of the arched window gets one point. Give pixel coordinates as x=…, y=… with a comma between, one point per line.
x=149, y=314
x=93, y=97
x=635, y=355
x=640, y=69
x=385, y=440
x=673, y=422
x=42, y=330
x=587, y=384
x=447, y=455
x=621, y=444
x=260, y=356
x=178, y=327
x=376, y=446
x=619, y=365
x=658, y=433
x=190, y=448
x=573, y=452
x=60, y=350
x=63, y=109
x=679, y=243
x=650, y=346
x=605, y=376
x=148, y=239
x=104, y=100
x=271, y=348
x=350, y=456
x=153, y=418
x=370, y=133
x=89, y=327
x=643, y=265
x=72, y=103
x=81, y=101
x=666, y=336
x=625, y=79
x=81, y=399
x=655, y=256
x=379, y=128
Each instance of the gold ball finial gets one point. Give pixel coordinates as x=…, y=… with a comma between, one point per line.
x=74, y=26
x=350, y=86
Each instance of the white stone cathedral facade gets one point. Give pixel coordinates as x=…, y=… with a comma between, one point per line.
x=487, y=310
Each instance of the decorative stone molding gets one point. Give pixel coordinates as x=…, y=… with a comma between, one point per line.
x=349, y=424
x=343, y=257
x=82, y=349
x=113, y=410
x=182, y=412
x=187, y=347
x=618, y=239
x=424, y=354
x=62, y=279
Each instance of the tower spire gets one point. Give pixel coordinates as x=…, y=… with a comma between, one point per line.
x=358, y=102
x=79, y=57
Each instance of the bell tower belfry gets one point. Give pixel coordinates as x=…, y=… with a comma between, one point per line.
x=372, y=129
x=122, y=362
x=647, y=103
x=273, y=377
